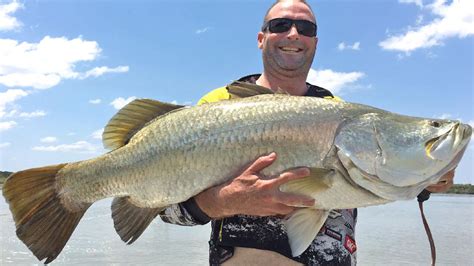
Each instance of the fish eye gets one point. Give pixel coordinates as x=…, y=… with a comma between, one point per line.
x=435, y=124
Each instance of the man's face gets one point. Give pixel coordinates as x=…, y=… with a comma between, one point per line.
x=288, y=53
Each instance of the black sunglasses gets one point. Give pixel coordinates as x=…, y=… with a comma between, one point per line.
x=279, y=25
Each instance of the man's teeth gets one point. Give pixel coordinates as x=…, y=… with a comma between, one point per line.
x=290, y=49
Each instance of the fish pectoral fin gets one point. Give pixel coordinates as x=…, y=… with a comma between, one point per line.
x=239, y=89
x=319, y=179
x=302, y=227
x=43, y=221
x=131, y=118
x=130, y=221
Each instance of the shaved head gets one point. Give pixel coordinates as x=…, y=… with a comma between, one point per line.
x=266, y=18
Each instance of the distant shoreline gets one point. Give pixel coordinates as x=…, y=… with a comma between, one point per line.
x=462, y=189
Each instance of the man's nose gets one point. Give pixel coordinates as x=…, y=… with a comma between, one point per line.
x=293, y=33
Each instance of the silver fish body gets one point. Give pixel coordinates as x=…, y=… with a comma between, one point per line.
x=358, y=156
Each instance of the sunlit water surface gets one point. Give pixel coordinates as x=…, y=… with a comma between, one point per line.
x=391, y=234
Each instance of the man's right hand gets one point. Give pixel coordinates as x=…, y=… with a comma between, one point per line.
x=251, y=193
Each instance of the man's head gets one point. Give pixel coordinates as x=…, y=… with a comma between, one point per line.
x=288, y=53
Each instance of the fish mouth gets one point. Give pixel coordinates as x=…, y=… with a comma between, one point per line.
x=449, y=142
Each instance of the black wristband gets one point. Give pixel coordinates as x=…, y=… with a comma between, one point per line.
x=193, y=209
x=424, y=195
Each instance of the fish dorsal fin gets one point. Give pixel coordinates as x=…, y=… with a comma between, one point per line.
x=239, y=89
x=131, y=118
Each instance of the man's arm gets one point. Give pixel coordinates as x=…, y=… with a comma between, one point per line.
x=444, y=184
x=253, y=194
x=249, y=193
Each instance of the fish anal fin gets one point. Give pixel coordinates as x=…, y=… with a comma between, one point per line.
x=318, y=180
x=130, y=221
x=43, y=222
x=239, y=89
x=131, y=118
x=302, y=227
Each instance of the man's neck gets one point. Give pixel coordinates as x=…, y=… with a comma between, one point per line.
x=293, y=86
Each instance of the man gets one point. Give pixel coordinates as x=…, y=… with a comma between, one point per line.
x=247, y=211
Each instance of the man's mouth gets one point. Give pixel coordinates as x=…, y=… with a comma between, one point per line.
x=287, y=49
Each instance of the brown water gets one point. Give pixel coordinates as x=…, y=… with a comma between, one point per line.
x=390, y=235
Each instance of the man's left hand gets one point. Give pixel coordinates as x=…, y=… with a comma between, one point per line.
x=444, y=183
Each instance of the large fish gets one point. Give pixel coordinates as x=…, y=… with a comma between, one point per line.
x=164, y=154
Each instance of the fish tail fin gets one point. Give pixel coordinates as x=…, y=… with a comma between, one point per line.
x=130, y=221
x=42, y=221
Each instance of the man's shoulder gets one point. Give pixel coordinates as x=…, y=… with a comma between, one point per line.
x=317, y=91
x=222, y=93
x=215, y=95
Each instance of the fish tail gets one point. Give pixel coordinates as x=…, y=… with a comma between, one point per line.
x=43, y=222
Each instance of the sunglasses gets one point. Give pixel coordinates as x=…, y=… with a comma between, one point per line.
x=280, y=25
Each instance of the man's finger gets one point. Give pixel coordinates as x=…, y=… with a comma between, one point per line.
x=261, y=163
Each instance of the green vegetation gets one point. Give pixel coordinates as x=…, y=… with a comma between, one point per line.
x=3, y=176
x=461, y=189
x=456, y=189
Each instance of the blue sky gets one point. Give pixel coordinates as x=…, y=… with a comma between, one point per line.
x=67, y=66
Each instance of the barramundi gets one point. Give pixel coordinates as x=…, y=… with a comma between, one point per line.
x=162, y=154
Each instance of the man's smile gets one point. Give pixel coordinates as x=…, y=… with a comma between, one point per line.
x=290, y=49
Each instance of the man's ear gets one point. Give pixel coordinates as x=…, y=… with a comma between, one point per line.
x=260, y=38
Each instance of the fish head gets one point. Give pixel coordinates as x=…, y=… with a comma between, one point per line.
x=399, y=150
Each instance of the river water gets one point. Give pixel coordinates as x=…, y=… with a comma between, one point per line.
x=390, y=234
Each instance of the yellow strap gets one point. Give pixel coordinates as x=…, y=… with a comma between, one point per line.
x=215, y=96
x=222, y=94
x=334, y=98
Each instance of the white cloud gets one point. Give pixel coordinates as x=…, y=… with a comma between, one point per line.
x=99, y=71
x=8, y=97
x=471, y=123
x=7, y=125
x=95, y=101
x=453, y=20
x=445, y=116
x=450, y=117
x=186, y=103
x=4, y=145
x=80, y=147
x=334, y=81
x=416, y=2
x=121, y=102
x=342, y=46
x=203, y=30
x=38, y=113
x=48, y=139
x=98, y=134
x=23, y=64
x=8, y=22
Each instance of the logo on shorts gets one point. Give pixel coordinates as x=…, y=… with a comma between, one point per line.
x=333, y=234
x=350, y=244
